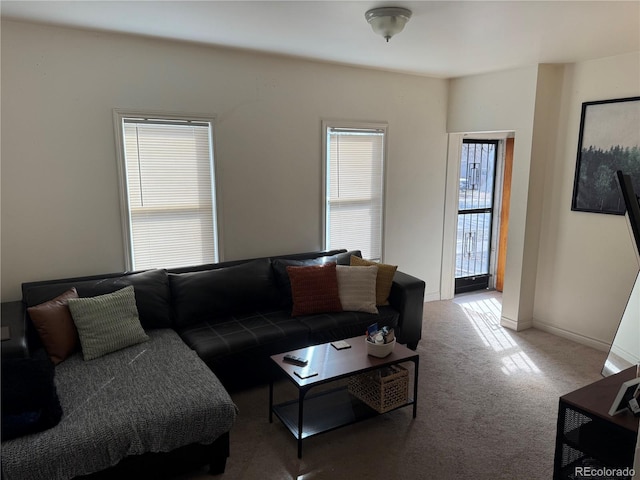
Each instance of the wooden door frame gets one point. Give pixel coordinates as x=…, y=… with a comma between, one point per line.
x=504, y=213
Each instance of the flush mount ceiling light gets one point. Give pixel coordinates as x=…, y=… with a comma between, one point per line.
x=388, y=21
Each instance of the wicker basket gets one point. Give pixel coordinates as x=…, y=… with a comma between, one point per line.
x=383, y=389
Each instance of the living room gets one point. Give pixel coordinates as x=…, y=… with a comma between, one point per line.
x=568, y=273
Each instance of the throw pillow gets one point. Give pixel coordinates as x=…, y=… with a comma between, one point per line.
x=55, y=327
x=314, y=289
x=384, y=278
x=282, y=276
x=29, y=397
x=357, y=288
x=107, y=323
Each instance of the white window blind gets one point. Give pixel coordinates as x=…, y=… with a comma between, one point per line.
x=354, y=190
x=170, y=192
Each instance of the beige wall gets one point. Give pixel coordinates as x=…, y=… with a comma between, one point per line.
x=503, y=101
x=59, y=190
x=586, y=265
x=545, y=128
x=567, y=272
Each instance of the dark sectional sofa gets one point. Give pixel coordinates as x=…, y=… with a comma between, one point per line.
x=233, y=315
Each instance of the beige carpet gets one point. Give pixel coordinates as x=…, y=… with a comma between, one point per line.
x=488, y=400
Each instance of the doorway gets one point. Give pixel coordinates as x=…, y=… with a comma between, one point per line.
x=459, y=184
x=476, y=200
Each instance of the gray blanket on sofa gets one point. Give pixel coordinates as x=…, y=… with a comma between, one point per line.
x=151, y=397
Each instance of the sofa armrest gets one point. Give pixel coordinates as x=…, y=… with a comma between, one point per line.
x=13, y=316
x=407, y=296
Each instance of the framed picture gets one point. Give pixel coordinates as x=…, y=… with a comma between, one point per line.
x=627, y=392
x=609, y=140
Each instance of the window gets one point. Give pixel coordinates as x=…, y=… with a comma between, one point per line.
x=354, y=187
x=167, y=190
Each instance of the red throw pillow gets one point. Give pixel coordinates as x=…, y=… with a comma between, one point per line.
x=314, y=289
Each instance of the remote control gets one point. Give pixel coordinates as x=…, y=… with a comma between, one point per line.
x=295, y=360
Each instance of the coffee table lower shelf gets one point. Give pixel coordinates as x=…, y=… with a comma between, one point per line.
x=325, y=411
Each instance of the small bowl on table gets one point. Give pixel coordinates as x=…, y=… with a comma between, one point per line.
x=380, y=350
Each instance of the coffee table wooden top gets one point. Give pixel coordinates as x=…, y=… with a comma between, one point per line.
x=332, y=364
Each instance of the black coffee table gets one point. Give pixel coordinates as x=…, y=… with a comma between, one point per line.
x=327, y=410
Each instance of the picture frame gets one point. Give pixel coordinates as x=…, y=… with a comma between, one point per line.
x=627, y=391
x=609, y=140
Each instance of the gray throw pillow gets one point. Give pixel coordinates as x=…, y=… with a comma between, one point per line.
x=107, y=323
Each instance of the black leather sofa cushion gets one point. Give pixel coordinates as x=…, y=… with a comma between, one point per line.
x=282, y=276
x=152, y=293
x=237, y=333
x=210, y=295
x=262, y=330
x=151, y=289
x=327, y=327
x=35, y=294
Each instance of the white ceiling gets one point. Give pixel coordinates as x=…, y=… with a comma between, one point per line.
x=442, y=39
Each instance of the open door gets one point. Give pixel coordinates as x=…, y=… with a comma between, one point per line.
x=504, y=214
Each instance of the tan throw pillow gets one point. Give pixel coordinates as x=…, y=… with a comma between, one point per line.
x=55, y=326
x=383, y=281
x=314, y=289
x=357, y=288
x=107, y=323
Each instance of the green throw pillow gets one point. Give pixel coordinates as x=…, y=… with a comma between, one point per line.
x=107, y=323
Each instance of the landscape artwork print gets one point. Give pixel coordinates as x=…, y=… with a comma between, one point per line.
x=609, y=141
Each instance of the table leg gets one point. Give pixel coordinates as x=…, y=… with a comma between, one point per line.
x=271, y=401
x=557, y=459
x=416, y=362
x=301, y=393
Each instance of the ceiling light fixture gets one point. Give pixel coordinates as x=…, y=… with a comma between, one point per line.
x=388, y=21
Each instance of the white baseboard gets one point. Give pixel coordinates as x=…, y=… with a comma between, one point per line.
x=576, y=337
x=514, y=325
x=624, y=354
x=431, y=296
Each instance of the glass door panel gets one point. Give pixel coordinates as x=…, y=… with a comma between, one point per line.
x=475, y=214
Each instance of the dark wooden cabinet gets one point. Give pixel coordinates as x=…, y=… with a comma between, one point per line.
x=588, y=438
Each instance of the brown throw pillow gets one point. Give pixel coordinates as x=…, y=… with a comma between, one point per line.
x=314, y=289
x=55, y=326
x=383, y=280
